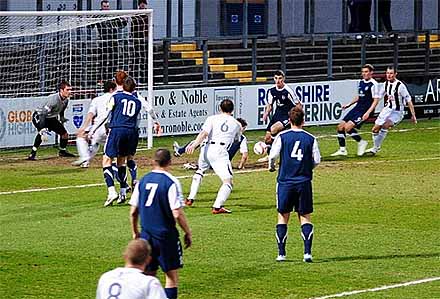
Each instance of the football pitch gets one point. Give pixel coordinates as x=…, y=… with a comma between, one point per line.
x=377, y=223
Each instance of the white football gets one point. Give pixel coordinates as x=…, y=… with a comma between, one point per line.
x=260, y=148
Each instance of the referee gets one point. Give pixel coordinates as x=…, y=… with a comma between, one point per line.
x=45, y=118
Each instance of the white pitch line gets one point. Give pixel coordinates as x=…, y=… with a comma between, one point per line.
x=102, y=184
x=209, y=174
x=382, y=288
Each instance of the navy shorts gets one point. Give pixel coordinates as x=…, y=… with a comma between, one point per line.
x=285, y=121
x=355, y=116
x=121, y=142
x=166, y=253
x=295, y=196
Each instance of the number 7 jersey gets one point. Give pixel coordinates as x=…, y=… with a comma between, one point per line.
x=125, y=109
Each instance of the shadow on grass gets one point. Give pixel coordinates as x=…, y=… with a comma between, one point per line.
x=377, y=257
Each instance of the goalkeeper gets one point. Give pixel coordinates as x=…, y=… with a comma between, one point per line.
x=45, y=119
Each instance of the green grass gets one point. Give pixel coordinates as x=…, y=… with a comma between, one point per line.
x=376, y=223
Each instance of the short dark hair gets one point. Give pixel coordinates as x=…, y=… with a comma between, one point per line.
x=104, y=1
x=129, y=84
x=296, y=116
x=109, y=85
x=280, y=73
x=142, y=2
x=242, y=121
x=137, y=251
x=368, y=66
x=63, y=84
x=391, y=67
x=162, y=157
x=227, y=106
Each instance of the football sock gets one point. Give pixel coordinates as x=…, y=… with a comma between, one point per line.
x=281, y=235
x=122, y=174
x=63, y=144
x=355, y=135
x=182, y=149
x=222, y=195
x=83, y=148
x=93, y=150
x=171, y=293
x=307, y=235
x=197, y=179
x=341, y=138
x=115, y=171
x=379, y=137
x=132, y=168
x=37, y=142
x=108, y=176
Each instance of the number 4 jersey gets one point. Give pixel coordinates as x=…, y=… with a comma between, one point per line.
x=125, y=109
x=299, y=153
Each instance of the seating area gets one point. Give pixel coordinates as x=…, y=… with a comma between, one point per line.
x=306, y=59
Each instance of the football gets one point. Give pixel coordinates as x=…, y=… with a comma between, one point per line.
x=260, y=148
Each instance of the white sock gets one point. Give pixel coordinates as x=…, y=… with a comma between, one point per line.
x=83, y=148
x=123, y=191
x=196, y=181
x=379, y=137
x=342, y=148
x=111, y=190
x=222, y=195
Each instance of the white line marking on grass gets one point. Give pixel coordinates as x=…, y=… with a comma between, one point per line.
x=102, y=184
x=368, y=132
x=382, y=288
x=209, y=174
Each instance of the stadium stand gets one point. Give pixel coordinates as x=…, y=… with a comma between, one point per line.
x=306, y=59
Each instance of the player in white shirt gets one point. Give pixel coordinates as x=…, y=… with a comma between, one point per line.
x=218, y=133
x=130, y=282
x=95, y=116
x=396, y=97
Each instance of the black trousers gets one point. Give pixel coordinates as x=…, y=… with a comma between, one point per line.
x=384, y=15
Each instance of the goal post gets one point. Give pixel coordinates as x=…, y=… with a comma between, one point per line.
x=39, y=49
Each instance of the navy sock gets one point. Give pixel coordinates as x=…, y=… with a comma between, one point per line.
x=171, y=293
x=281, y=235
x=355, y=135
x=108, y=176
x=115, y=171
x=63, y=144
x=37, y=141
x=122, y=174
x=341, y=138
x=307, y=235
x=132, y=168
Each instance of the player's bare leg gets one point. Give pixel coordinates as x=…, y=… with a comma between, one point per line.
x=109, y=180
x=379, y=133
x=222, y=195
x=307, y=236
x=171, y=283
x=281, y=235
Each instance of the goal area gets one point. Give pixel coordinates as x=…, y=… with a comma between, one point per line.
x=86, y=48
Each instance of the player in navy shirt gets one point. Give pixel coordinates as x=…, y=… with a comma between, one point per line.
x=157, y=199
x=366, y=101
x=299, y=154
x=280, y=99
x=123, y=138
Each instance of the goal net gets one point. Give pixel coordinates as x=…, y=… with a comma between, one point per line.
x=39, y=49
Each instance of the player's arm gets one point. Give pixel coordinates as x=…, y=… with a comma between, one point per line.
x=147, y=106
x=316, y=154
x=62, y=118
x=244, y=153
x=274, y=153
x=199, y=139
x=293, y=98
x=175, y=199
x=354, y=101
x=87, y=122
x=268, y=107
x=134, y=212
x=407, y=97
x=376, y=94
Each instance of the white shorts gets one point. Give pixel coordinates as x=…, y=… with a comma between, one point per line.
x=389, y=114
x=217, y=157
x=100, y=136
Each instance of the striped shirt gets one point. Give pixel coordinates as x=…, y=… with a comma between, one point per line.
x=395, y=95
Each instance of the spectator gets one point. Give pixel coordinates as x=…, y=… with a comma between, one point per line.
x=360, y=11
x=384, y=7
